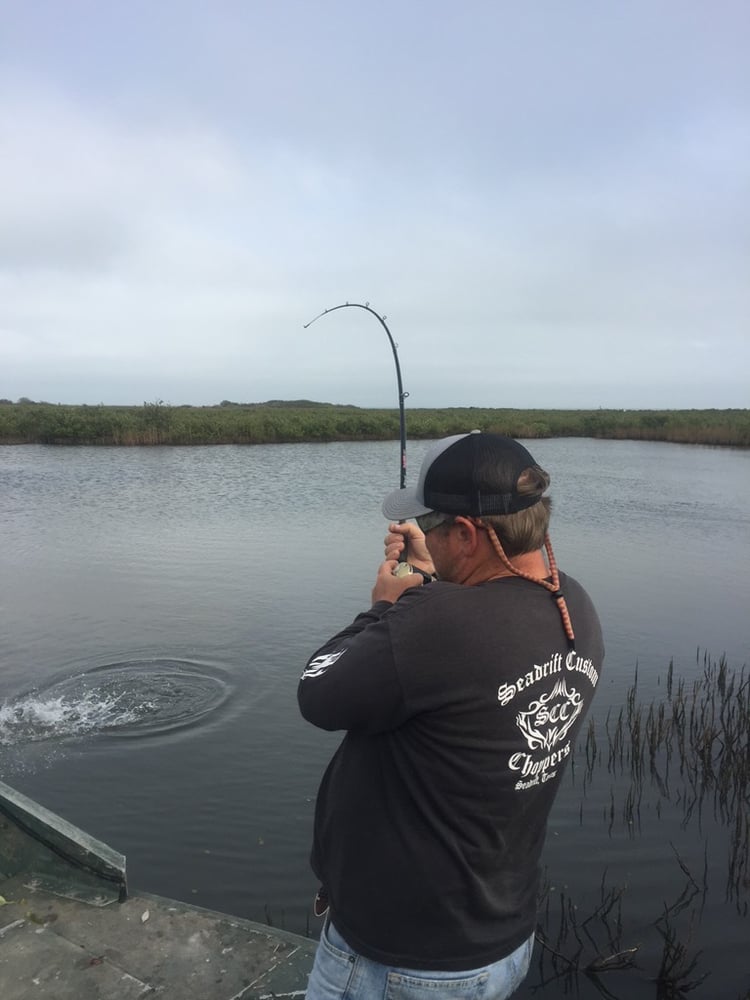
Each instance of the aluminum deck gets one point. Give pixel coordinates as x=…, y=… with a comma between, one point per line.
x=69, y=930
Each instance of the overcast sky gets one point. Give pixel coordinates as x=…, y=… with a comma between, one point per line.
x=549, y=201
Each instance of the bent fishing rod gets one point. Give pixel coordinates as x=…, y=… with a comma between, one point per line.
x=404, y=566
x=401, y=394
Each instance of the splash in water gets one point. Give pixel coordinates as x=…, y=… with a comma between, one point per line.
x=135, y=698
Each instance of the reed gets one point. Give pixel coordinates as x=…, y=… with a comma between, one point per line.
x=592, y=942
x=701, y=731
x=159, y=423
x=691, y=745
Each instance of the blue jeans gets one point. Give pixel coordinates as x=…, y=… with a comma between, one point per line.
x=339, y=973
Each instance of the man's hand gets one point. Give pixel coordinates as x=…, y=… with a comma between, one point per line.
x=389, y=587
x=409, y=535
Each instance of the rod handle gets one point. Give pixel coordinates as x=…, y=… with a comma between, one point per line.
x=404, y=557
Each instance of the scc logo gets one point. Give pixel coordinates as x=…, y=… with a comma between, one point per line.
x=549, y=717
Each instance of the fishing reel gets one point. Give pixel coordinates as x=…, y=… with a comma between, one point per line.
x=406, y=569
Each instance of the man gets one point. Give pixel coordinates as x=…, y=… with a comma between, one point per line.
x=462, y=698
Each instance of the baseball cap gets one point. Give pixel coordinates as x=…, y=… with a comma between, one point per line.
x=473, y=474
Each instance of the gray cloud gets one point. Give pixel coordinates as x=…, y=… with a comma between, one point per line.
x=550, y=203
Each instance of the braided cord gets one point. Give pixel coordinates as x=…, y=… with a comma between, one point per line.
x=552, y=586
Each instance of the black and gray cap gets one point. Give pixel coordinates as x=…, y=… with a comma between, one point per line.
x=472, y=474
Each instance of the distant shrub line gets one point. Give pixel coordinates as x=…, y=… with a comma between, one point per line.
x=158, y=423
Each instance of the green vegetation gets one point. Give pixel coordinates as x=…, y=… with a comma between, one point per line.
x=276, y=421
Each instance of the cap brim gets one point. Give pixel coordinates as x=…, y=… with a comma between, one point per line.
x=401, y=504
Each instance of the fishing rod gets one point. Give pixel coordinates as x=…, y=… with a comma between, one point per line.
x=401, y=394
x=404, y=567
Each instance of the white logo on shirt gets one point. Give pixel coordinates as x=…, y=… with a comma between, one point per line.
x=545, y=726
x=548, y=719
x=319, y=664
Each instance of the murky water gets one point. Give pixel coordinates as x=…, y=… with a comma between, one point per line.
x=157, y=606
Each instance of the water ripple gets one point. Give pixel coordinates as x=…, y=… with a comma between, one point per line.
x=129, y=699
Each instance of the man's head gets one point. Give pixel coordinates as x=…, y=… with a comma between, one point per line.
x=486, y=477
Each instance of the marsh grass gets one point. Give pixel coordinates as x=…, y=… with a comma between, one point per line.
x=158, y=423
x=693, y=746
x=689, y=749
x=593, y=943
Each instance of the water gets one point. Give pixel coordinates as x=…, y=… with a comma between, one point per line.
x=157, y=606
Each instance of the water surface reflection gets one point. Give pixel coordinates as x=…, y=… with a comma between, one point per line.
x=190, y=585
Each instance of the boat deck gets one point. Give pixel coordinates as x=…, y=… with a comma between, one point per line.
x=66, y=949
x=70, y=930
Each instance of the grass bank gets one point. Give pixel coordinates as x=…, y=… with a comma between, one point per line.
x=300, y=421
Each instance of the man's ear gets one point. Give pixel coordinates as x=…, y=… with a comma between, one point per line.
x=468, y=534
